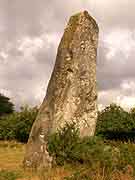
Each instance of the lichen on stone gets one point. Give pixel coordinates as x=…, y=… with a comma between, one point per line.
x=71, y=94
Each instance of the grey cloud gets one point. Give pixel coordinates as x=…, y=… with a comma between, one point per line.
x=21, y=17
x=24, y=76
x=29, y=16
x=111, y=73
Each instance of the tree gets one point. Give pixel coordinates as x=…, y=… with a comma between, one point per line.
x=17, y=126
x=116, y=123
x=6, y=107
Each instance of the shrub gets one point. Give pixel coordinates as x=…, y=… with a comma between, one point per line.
x=61, y=143
x=115, y=123
x=66, y=146
x=17, y=125
x=24, y=123
x=92, y=152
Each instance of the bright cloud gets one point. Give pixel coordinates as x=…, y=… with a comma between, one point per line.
x=120, y=40
x=30, y=33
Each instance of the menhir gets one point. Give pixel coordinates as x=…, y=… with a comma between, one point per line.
x=71, y=95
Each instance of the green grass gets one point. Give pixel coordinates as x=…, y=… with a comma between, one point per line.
x=9, y=175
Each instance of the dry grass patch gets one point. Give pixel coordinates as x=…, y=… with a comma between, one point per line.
x=11, y=157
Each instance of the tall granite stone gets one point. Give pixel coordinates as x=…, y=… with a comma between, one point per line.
x=71, y=95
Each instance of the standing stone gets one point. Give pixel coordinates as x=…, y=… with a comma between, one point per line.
x=71, y=95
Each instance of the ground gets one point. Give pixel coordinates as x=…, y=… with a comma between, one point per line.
x=11, y=157
x=12, y=154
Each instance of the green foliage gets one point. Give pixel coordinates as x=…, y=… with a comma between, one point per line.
x=61, y=143
x=17, y=125
x=9, y=175
x=115, y=123
x=66, y=146
x=114, y=118
x=91, y=152
x=127, y=155
x=123, y=162
x=6, y=107
x=132, y=115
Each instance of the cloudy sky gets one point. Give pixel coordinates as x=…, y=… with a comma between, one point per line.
x=30, y=31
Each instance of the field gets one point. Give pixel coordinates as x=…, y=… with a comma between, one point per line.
x=11, y=157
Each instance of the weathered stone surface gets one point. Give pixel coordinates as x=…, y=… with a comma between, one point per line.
x=71, y=94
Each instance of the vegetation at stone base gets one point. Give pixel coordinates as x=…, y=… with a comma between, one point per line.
x=17, y=125
x=95, y=153
x=60, y=144
x=6, y=107
x=12, y=154
x=116, y=123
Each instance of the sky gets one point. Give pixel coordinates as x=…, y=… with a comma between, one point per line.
x=30, y=31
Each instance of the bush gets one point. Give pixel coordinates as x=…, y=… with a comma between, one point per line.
x=66, y=146
x=92, y=152
x=17, y=126
x=61, y=143
x=115, y=123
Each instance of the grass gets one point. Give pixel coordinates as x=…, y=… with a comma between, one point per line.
x=11, y=157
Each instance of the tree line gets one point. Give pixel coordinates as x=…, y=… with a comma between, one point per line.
x=113, y=122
